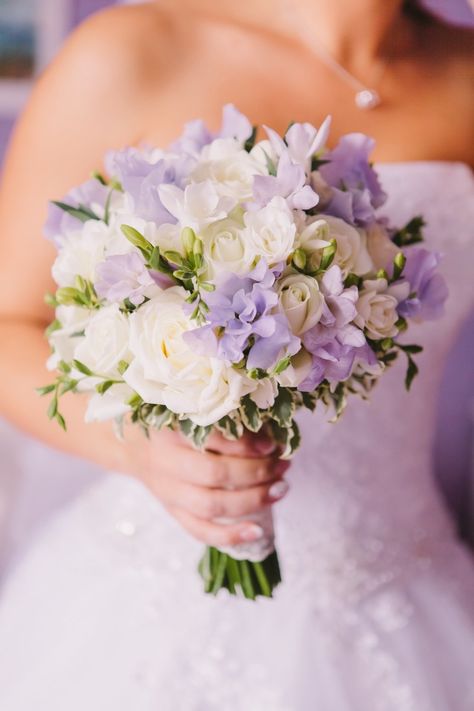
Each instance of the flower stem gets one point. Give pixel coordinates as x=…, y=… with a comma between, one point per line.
x=239, y=577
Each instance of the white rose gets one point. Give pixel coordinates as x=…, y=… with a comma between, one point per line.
x=226, y=249
x=351, y=254
x=80, y=253
x=167, y=371
x=297, y=371
x=381, y=249
x=377, y=310
x=112, y=404
x=271, y=231
x=198, y=205
x=64, y=340
x=230, y=167
x=301, y=301
x=106, y=342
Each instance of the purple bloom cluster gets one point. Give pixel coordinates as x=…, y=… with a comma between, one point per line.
x=428, y=290
x=356, y=191
x=244, y=309
x=59, y=222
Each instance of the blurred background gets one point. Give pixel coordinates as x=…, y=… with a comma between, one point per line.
x=35, y=481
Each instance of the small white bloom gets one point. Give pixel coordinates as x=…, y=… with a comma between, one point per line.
x=301, y=301
x=271, y=231
x=106, y=342
x=113, y=403
x=80, y=253
x=65, y=339
x=377, y=310
x=313, y=238
x=166, y=371
x=226, y=249
x=297, y=371
x=229, y=167
x=351, y=254
x=265, y=393
x=198, y=205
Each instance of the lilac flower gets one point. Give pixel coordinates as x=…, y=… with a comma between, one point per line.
x=302, y=141
x=234, y=124
x=357, y=192
x=123, y=276
x=340, y=304
x=290, y=183
x=141, y=176
x=195, y=136
x=335, y=353
x=59, y=222
x=428, y=290
x=242, y=309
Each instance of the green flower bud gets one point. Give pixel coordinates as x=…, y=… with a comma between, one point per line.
x=299, y=259
x=188, y=238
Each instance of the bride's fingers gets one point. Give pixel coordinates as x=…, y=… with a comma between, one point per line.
x=249, y=445
x=214, y=534
x=210, y=504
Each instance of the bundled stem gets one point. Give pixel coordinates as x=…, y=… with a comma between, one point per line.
x=220, y=571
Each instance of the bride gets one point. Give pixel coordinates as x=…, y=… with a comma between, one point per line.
x=105, y=611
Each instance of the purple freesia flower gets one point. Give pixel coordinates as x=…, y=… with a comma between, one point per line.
x=339, y=303
x=241, y=311
x=290, y=183
x=195, y=136
x=428, y=290
x=234, y=124
x=141, y=176
x=335, y=354
x=58, y=221
x=123, y=276
x=357, y=192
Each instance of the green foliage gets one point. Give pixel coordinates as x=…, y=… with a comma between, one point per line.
x=81, y=212
x=250, y=142
x=412, y=233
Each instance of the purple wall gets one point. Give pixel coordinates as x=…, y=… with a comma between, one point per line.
x=80, y=10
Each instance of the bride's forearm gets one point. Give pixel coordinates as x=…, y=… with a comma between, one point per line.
x=23, y=355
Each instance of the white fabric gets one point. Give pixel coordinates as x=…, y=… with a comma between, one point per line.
x=376, y=612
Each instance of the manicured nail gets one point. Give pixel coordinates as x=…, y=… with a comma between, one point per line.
x=278, y=490
x=252, y=532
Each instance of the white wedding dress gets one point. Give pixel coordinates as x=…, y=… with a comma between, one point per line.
x=105, y=612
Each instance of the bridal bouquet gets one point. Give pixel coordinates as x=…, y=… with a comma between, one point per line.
x=224, y=283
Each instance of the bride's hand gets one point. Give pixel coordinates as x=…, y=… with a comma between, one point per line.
x=232, y=479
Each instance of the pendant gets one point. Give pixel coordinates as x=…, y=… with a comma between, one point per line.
x=367, y=99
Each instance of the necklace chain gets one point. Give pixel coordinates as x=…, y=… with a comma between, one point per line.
x=365, y=97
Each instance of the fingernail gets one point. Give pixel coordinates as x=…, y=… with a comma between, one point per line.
x=251, y=532
x=264, y=446
x=278, y=490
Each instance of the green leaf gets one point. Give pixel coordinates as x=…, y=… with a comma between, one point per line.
x=282, y=365
x=199, y=436
x=160, y=417
x=353, y=280
x=50, y=300
x=316, y=163
x=207, y=286
x=138, y=240
x=135, y=401
x=410, y=348
x=186, y=427
x=122, y=366
x=257, y=373
x=251, y=416
x=82, y=368
x=328, y=255
x=310, y=400
x=283, y=408
x=68, y=386
x=61, y=421
x=107, y=207
x=230, y=428
x=250, y=142
x=98, y=176
x=154, y=260
x=412, y=372
x=53, y=408
x=64, y=367
x=411, y=233
x=81, y=213
x=102, y=388
x=55, y=325
x=46, y=389
x=182, y=275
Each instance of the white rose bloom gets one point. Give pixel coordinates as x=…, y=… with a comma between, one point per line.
x=271, y=231
x=229, y=167
x=377, y=310
x=351, y=254
x=301, y=301
x=64, y=340
x=380, y=247
x=113, y=403
x=297, y=371
x=80, y=253
x=226, y=249
x=167, y=371
x=106, y=342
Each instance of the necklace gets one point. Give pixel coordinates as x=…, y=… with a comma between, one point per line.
x=365, y=97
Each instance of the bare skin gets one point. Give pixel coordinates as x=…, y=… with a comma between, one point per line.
x=138, y=73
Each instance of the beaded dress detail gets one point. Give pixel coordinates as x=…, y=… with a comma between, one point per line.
x=376, y=613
